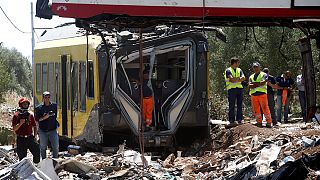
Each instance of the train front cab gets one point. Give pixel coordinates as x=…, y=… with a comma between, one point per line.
x=179, y=82
x=61, y=67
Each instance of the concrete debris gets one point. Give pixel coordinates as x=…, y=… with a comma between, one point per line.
x=7, y=156
x=23, y=169
x=46, y=166
x=267, y=155
x=241, y=152
x=74, y=166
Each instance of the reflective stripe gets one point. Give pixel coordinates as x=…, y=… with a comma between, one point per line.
x=235, y=74
x=260, y=87
x=263, y=88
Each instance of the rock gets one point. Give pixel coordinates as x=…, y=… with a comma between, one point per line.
x=287, y=153
x=168, y=162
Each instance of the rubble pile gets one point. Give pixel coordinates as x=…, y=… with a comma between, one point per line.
x=6, y=158
x=241, y=152
x=263, y=149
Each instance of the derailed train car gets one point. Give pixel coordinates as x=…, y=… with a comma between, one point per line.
x=99, y=97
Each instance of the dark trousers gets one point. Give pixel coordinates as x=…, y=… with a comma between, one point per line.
x=303, y=104
x=271, y=104
x=23, y=144
x=235, y=95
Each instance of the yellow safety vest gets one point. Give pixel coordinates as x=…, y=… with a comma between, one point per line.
x=263, y=88
x=235, y=74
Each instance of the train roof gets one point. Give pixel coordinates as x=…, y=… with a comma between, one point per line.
x=66, y=36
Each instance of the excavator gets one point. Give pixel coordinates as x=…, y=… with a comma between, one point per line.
x=96, y=15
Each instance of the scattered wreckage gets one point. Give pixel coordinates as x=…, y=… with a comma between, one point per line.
x=291, y=151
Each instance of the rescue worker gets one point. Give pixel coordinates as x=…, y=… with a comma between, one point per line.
x=302, y=96
x=46, y=116
x=271, y=84
x=147, y=100
x=25, y=128
x=234, y=78
x=258, y=93
x=285, y=83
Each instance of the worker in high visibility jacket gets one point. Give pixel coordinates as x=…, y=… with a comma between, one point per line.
x=258, y=93
x=234, y=78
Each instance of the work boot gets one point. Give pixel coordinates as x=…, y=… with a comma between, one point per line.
x=259, y=125
x=268, y=125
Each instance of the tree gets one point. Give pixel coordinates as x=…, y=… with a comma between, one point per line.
x=273, y=47
x=15, y=70
x=4, y=80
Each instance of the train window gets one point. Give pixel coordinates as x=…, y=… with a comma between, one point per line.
x=38, y=78
x=82, y=85
x=51, y=80
x=74, y=86
x=57, y=85
x=44, y=77
x=90, y=80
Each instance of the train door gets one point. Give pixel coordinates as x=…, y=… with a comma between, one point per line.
x=74, y=69
x=69, y=88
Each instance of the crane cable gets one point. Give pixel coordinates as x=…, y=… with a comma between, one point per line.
x=140, y=128
x=203, y=13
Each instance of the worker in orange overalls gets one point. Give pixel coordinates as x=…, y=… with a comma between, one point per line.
x=147, y=100
x=258, y=93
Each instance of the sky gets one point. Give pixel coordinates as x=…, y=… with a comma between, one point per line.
x=19, y=11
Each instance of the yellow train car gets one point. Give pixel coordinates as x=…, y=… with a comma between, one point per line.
x=98, y=96
x=66, y=66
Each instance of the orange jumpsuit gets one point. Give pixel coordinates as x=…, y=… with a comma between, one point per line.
x=259, y=98
x=284, y=96
x=147, y=110
x=261, y=101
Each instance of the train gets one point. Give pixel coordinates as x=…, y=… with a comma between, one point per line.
x=93, y=80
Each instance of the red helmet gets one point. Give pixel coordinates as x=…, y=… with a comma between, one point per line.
x=22, y=100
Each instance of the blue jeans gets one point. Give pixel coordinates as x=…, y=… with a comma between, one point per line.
x=272, y=107
x=302, y=99
x=53, y=137
x=235, y=94
x=279, y=109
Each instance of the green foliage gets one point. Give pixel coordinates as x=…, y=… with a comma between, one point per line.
x=4, y=80
x=15, y=70
x=274, y=47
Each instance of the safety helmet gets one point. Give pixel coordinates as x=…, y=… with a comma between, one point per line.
x=22, y=100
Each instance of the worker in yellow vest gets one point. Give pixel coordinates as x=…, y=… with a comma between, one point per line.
x=234, y=78
x=258, y=93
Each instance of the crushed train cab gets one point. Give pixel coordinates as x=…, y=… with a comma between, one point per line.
x=178, y=65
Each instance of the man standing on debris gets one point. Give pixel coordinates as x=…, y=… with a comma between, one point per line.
x=23, y=123
x=46, y=116
x=302, y=96
x=271, y=84
x=258, y=93
x=234, y=77
x=285, y=83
